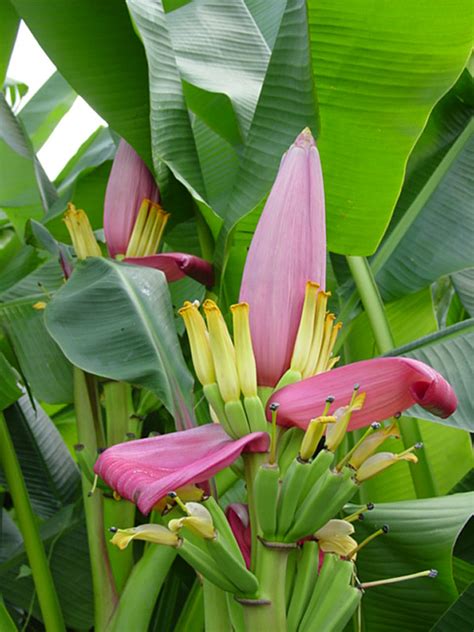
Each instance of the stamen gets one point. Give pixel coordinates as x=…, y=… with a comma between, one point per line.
x=359, y=514
x=401, y=578
x=148, y=230
x=374, y=426
x=302, y=346
x=324, y=354
x=81, y=233
x=335, y=433
x=382, y=531
x=318, y=332
x=273, y=442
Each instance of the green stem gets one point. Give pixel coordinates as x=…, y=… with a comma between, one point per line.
x=191, y=618
x=252, y=463
x=216, y=613
x=372, y=302
x=374, y=308
x=45, y=589
x=422, y=476
x=138, y=600
x=121, y=514
x=88, y=420
x=271, y=573
x=206, y=240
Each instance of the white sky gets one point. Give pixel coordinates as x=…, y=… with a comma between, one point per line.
x=29, y=64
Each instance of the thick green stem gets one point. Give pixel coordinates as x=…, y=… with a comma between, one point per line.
x=216, y=613
x=271, y=573
x=44, y=585
x=142, y=589
x=120, y=514
x=251, y=463
x=88, y=422
x=372, y=302
x=206, y=240
x=374, y=308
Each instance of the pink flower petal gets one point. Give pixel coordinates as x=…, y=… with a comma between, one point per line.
x=392, y=385
x=144, y=471
x=130, y=182
x=238, y=517
x=177, y=265
x=288, y=249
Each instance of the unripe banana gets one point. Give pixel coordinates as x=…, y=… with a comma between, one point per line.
x=266, y=489
x=237, y=418
x=222, y=526
x=323, y=501
x=317, y=467
x=291, y=490
x=304, y=584
x=327, y=607
x=236, y=571
x=256, y=414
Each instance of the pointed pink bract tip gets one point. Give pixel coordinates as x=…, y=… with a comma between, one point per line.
x=305, y=139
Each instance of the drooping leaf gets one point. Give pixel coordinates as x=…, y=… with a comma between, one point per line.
x=286, y=105
x=65, y=539
x=24, y=181
x=101, y=58
x=421, y=537
x=46, y=108
x=9, y=390
x=115, y=320
x=51, y=476
x=379, y=70
x=220, y=49
x=172, y=138
x=42, y=362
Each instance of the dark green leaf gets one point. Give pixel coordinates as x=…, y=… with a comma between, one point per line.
x=464, y=284
x=379, y=70
x=421, y=537
x=116, y=320
x=172, y=138
x=51, y=476
x=101, y=58
x=460, y=616
x=9, y=390
x=46, y=108
x=9, y=23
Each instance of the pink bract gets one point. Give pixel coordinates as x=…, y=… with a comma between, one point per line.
x=130, y=182
x=146, y=470
x=177, y=265
x=392, y=385
x=288, y=249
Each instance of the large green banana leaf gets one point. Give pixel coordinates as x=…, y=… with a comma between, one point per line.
x=115, y=320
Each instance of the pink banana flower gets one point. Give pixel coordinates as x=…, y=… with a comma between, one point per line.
x=146, y=470
x=283, y=283
x=288, y=249
x=391, y=386
x=132, y=205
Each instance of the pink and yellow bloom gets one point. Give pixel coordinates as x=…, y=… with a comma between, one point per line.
x=134, y=223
